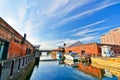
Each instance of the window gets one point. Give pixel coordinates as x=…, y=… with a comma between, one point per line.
x=1, y=49
x=15, y=40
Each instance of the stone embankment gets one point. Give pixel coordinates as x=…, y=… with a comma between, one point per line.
x=17, y=68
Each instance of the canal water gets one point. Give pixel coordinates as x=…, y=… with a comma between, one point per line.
x=52, y=70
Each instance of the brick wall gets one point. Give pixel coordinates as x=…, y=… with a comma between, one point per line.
x=96, y=72
x=15, y=49
x=91, y=49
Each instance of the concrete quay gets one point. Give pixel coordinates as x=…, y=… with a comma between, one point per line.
x=112, y=64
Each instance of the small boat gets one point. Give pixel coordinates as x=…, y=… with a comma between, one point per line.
x=73, y=57
x=68, y=62
x=72, y=60
x=69, y=57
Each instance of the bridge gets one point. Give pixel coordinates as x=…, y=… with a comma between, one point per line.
x=39, y=53
x=45, y=50
x=42, y=50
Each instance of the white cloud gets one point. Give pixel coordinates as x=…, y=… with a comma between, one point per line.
x=29, y=28
x=2, y=2
x=55, y=6
x=60, y=9
x=53, y=44
x=51, y=9
x=12, y=21
x=88, y=30
x=55, y=9
x=13, y=15
x=88, y=26
x=50, y=44
x=31, y=4
x=75, y=4
x=98, y=7
x=88, y=38
x=82, y=32
x=45, y=44
x=22, y=11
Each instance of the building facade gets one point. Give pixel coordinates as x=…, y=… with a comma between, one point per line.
x=91, y=70
x=12, y=44
x=113, y=37
x=92, y=49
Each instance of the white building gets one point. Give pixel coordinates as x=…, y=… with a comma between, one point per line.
x=106, y=51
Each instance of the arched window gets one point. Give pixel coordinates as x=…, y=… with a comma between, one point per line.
x=82, y=52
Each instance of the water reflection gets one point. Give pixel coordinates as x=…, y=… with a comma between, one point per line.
x=69, y=70
x=52, y=71
x=94, y=70
x=37, y=62
x=101, y=74
x=108, y=71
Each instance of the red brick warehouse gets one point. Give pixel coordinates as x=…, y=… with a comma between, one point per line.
x=93, y=49
x=12, y=44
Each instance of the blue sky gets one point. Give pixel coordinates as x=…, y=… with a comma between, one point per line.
x=51, y=23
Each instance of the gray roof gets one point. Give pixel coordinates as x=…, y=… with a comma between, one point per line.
x=76, y=43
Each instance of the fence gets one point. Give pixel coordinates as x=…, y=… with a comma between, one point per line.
x=11, y=68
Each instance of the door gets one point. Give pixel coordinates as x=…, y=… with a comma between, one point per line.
x=3, y=49
x=82, y=52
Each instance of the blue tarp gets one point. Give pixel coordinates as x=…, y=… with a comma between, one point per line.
x=72, y=53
